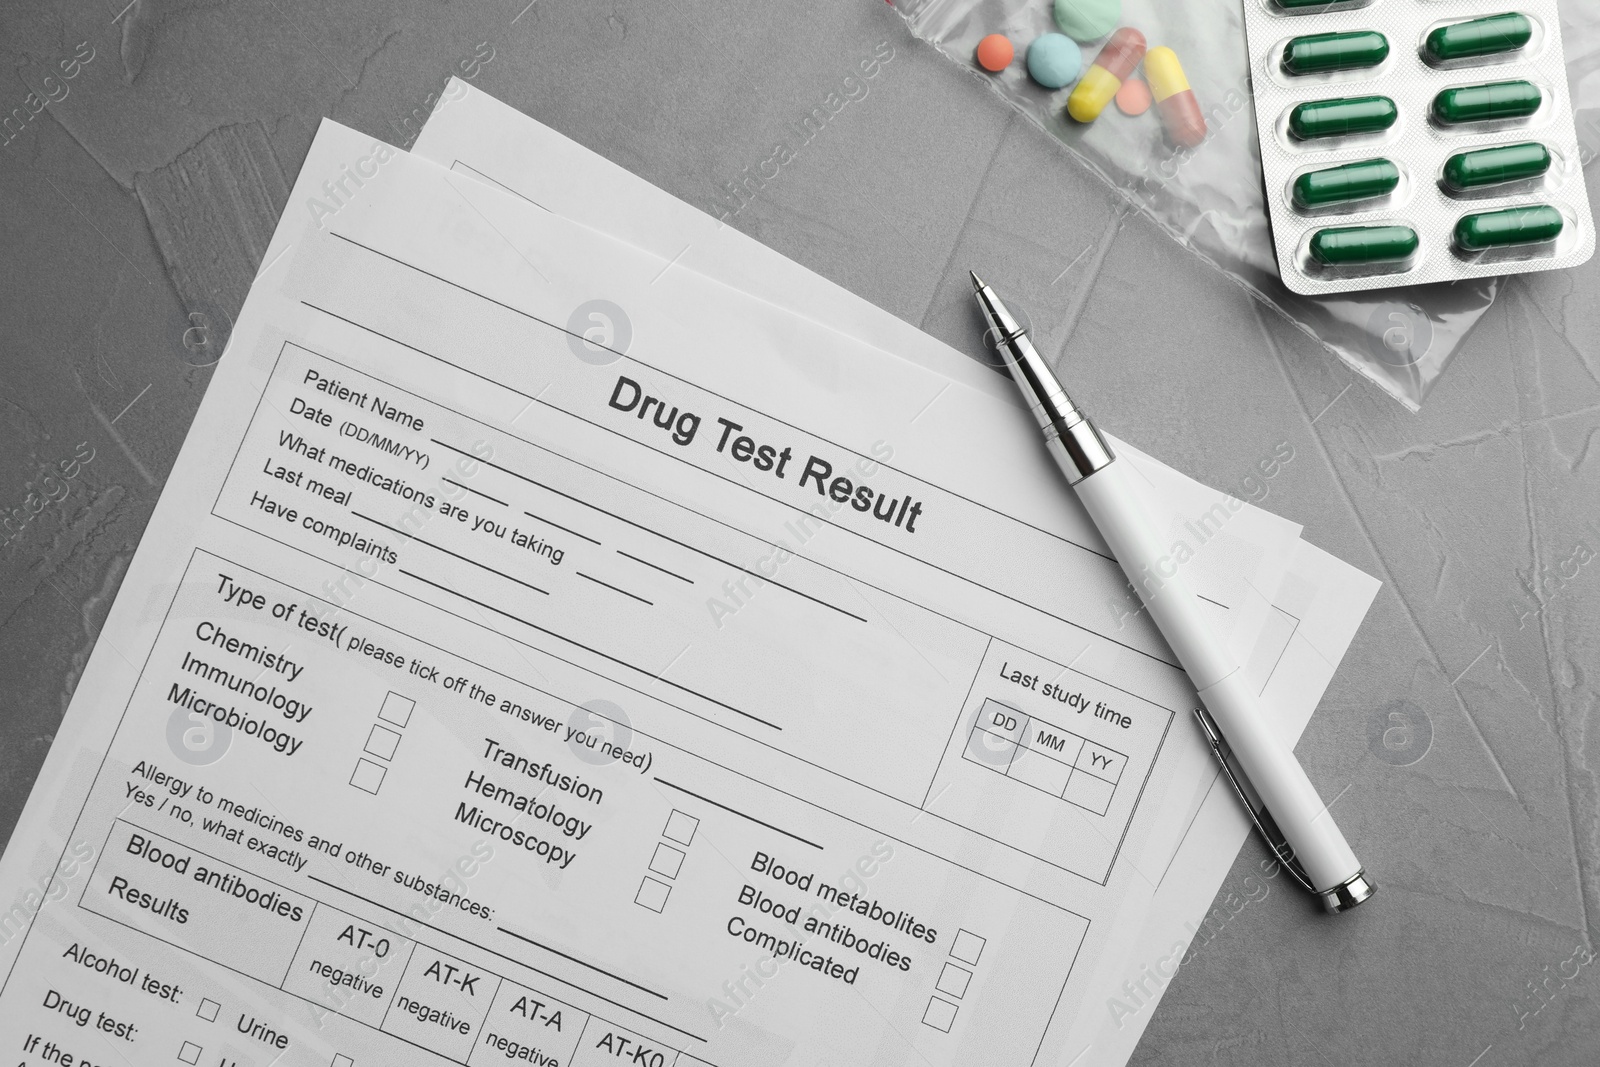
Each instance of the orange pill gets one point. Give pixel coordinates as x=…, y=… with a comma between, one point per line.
x=1134, y=97
x=995, y=52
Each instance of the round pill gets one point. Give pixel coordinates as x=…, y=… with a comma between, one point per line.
x=1054, y=61
x=995, y=52
x=1134, y=97
x=1088, y=20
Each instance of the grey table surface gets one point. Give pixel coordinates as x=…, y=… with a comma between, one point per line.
x=135, y=209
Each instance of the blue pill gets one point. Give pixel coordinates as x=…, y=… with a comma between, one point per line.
x=1054, y=61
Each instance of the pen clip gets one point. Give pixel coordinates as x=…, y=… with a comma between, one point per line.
x=1274, y=838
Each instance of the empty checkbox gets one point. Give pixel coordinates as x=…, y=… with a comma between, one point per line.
x=208, y=1009
x=652, y=894
x=189, y=1053
x=1087, y=791
x=667, y=861
x=368, y=776
x=941, y=1014
x=680, y=827
x=382, y=742
x=954, y=981
x=968, y=947
x=397, y=709
x=341, y=1060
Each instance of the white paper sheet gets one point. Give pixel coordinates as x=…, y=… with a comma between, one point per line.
x=476, y=800
x=486, y=138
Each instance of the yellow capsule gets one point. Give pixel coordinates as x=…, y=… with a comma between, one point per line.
x=1164, y=73
x=1094, y=91
x=1180, y=111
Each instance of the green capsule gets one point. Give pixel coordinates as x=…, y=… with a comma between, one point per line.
x=1295, y=5
x=1496, y=166
x=1485, y=103
x=1344, y=245
x=1317, y=53
x=1341, y=117
x=1513, y=226
x=1488, y=36
x=1346, y=183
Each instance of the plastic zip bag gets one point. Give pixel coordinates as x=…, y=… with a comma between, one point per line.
x=1210, y=199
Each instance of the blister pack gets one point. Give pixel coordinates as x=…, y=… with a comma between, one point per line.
x=1413, y=141
x=1211, y=199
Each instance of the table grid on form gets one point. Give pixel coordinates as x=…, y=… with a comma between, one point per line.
x=1045, y=756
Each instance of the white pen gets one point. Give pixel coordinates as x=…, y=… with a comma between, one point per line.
x=1316, y=852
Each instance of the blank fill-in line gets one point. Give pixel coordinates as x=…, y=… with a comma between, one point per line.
x=736, y=811
x=665, y=500
x=560, y=527
x=581, y=963
x=470, y=291
x=655, y=566
x=446, y=551
x=955, y=574
x=657, y=533
x=615, y=589
x=587, y=648
x=477, y=492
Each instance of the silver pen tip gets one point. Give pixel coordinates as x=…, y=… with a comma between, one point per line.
x=977, y=282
